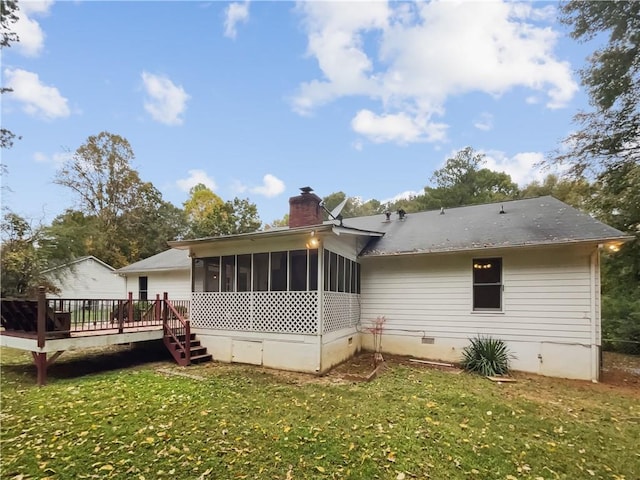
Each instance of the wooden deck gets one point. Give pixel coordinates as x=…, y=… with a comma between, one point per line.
x=52, y=326
x=80, y=338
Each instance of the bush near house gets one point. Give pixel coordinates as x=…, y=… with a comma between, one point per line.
x=486, y=356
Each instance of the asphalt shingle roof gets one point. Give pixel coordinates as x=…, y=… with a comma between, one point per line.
x=535, y=221
x=172, y=259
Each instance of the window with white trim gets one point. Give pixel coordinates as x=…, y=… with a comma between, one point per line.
x=487, y=284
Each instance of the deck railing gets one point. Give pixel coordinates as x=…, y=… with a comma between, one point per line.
x=177, y=329
x=83, y=315
x=60, y=317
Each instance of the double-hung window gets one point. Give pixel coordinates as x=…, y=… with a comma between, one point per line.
x=487, y=284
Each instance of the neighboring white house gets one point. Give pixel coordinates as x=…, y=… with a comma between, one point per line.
x=168, y=271
x=301, y=297
x=87, y=278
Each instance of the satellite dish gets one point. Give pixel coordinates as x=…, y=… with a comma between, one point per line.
x=336, y=211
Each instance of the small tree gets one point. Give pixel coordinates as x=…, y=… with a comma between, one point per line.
x=376, y=328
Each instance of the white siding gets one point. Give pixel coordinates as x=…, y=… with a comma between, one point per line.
x=547, y=301
x=177, y=283
x=89, y=279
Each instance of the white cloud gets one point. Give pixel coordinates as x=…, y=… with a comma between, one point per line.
x=37, y=99
x=167, y=102
x=271, y=186
x=399, y=128
x=334, y=39
x=195, y=177
x=411, y=58
x=484, y=122
x=57, y=159
x=28, y=30
x=523, y=167
x=407, y=194
x=235, y=13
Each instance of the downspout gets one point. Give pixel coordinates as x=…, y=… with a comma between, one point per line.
x=594, y=264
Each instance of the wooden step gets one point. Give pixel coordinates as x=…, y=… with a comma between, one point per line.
x=202, y=358
x=194, y=343
x=195, y=351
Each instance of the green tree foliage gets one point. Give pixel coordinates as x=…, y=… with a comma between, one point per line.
x=243, y=217
x=617, y=203
x=607, y=142
x=463, y=181
x=575, y=192
x=208, y=215
x=280, y=222
x=71, y=234
x=8, y=17
x=123, y=218
x=355, y=206
x=608, y=134
x=21, y=261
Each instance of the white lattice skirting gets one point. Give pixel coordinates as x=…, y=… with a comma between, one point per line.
x=341, y=310
x=277, y=312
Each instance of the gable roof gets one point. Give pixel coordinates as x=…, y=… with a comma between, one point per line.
x=171, y=259
x=80, y=260
x=534, y=221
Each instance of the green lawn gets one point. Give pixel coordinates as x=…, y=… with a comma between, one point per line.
x=110, y=416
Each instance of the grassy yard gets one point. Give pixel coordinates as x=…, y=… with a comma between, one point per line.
x=106, y=415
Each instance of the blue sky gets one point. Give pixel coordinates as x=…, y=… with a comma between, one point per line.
x=256, y=99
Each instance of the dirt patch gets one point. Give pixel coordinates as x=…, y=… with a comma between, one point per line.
x=620, y=370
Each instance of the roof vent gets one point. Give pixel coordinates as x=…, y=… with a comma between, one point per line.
x=502, y=212
x=387, y=215
x=441, y=210
x=401, y=213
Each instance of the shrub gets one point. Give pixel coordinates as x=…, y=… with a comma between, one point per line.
x=486, y=356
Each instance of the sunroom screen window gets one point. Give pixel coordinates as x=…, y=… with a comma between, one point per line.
x=229, y=274
x=278, y=271
x=212, y=282
x=313, y=269
x=333, y=272
x=298, y=270
x=244, y=273
x=487, y=284
x=260, y=272
x=198, y=275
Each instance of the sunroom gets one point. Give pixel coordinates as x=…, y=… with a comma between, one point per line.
x=284, y=298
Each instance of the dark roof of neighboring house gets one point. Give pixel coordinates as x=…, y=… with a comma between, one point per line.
x=171, y=259
x=79, y=260
x=535, y=221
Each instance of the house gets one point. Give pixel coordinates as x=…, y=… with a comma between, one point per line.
x=87, y=278
x=168, y=271
x=301, y=298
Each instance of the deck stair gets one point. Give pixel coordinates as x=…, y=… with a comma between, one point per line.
x=181, y=343
x=198, y=353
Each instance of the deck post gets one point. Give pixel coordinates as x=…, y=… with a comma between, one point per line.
x=165, y=297
x=42, y=316
x=40, y=359
x=157, y=307
x=120, y=316
x=130, y=307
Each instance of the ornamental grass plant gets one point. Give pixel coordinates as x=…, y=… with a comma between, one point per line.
x=486, y=356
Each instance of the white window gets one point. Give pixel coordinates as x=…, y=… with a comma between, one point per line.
x=487, y=284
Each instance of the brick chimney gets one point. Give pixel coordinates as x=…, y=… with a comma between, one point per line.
x=304, y=209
